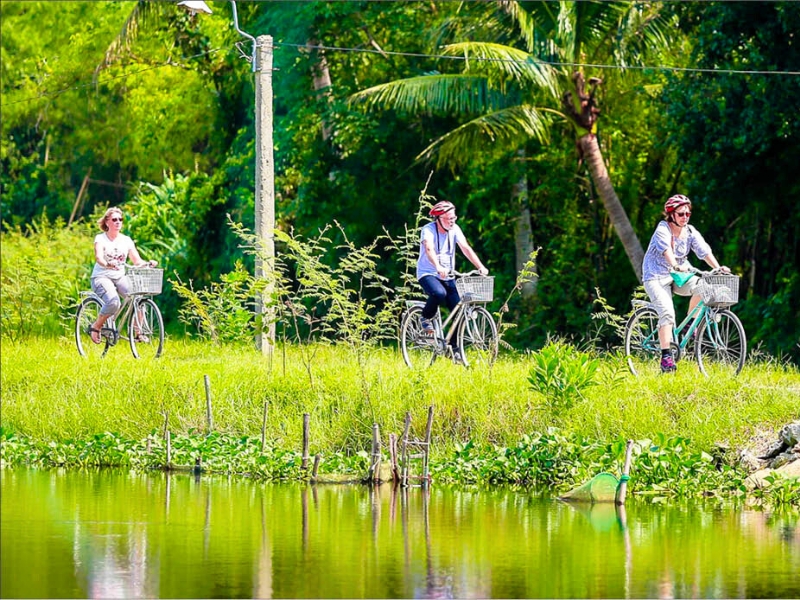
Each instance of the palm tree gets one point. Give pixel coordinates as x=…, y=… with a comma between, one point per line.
x=510, y=95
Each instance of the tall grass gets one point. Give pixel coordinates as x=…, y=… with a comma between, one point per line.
x=51, y=393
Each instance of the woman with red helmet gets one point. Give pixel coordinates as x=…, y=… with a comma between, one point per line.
x=668, y=252
x=437, y=260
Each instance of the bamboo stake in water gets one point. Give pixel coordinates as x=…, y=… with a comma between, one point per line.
x=169, y=450
x=264, y=428
x=393, y=456
x=315, y=470
x=209, y=419
x=376, y=453
x=622, y=489
x=306, y=420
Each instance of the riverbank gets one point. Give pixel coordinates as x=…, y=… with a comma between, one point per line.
x=490, y=425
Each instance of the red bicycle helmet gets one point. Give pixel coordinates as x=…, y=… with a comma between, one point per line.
x=441, y=208
x=676, y=202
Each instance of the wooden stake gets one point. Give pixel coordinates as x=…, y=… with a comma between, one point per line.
x=264, y=428
x=209, y=418
x=169, y=450
x=393, y=456
x=622, y=489
x=315, y=470
x=375, y=467
x=306, y=421
x=166, y=423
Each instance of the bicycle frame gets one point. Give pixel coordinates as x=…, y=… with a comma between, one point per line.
x=122, y=315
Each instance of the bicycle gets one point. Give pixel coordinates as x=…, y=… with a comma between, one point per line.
x=142, y=323
x=473, y=325
x=717, y=334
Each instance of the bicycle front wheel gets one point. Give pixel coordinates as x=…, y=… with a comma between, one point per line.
x=721, y=346
x=642, y=349
x=146, y=329
x=418, y=347
x=477, y=337
x=86, y=316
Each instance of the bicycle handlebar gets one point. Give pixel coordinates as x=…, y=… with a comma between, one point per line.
x=701, y=273
x=455, y=273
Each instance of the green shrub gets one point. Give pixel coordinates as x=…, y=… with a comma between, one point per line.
x=44, y=266
x=561, y=373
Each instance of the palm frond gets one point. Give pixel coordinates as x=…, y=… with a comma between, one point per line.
x=434, y=93
x=523, y=20
x=501, y=130
x=494, y=59
x=141, y=14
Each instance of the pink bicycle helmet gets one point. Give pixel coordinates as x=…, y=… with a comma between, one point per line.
x=676, y=202
x=441, y=208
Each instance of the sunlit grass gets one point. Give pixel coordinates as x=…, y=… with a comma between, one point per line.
x=49, y=392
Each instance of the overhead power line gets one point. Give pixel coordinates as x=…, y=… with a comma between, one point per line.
x=384, y=53
x=542, y=61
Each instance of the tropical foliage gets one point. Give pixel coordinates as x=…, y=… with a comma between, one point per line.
x=142, y=105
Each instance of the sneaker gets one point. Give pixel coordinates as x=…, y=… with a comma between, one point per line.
x=668, y=364
x=427, y=326
x=457, y=358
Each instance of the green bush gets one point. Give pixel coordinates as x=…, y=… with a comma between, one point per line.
x=44, y=267
x=561, y=373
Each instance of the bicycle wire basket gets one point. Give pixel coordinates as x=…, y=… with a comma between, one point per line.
x=475, y=288
x=145, y=280
x=719, y=290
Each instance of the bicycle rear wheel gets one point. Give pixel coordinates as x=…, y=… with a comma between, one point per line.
x=642, y=349
x=146, y=329
x=477, y=337
x=86, y=316
x=721, y=345
x=418, y=348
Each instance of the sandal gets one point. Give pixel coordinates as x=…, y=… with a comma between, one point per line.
x=92, y=331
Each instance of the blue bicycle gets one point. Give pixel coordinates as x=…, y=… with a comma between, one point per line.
x=710, y=333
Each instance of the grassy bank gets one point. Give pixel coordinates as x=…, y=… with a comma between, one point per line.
x=50, y=393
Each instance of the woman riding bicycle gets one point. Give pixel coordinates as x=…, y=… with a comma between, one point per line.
x=437, y=260
x=111, y=251
x=668, y=252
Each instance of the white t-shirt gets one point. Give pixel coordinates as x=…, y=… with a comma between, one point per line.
x=114, y=253
x=444, y=245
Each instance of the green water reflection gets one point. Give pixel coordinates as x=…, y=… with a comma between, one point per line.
x=119, y=534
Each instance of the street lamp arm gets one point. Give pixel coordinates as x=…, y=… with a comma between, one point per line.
x=244, y=34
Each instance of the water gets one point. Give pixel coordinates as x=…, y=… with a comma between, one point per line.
x=111, y=534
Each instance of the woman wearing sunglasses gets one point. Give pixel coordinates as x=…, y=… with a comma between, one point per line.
x=112, y=249
x=668, y=251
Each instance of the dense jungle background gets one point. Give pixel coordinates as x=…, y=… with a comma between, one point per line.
x=516, y=108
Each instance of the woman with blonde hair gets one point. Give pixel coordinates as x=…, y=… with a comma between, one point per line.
x=112, y=249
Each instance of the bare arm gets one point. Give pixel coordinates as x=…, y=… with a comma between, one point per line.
x=137, y=260
x=473, y=258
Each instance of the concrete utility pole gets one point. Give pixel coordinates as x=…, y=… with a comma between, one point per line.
x=265, y=187
x=261, y=59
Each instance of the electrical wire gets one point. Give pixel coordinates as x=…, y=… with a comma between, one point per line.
x=426, y=56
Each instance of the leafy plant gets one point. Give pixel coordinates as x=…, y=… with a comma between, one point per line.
x=561, y=373
x=43, y=266
x=222, y=312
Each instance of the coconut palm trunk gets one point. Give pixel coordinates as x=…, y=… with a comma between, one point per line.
x=591, y=153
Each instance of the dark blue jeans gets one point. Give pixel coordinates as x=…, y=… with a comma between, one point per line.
x=439, y=292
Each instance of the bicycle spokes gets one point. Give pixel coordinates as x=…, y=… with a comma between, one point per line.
x=85, y=318
x=721, y=344
x=146, y=330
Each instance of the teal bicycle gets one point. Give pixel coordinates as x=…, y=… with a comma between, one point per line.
x=710, y=333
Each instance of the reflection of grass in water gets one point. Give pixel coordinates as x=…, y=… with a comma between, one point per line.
x=61, y=395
